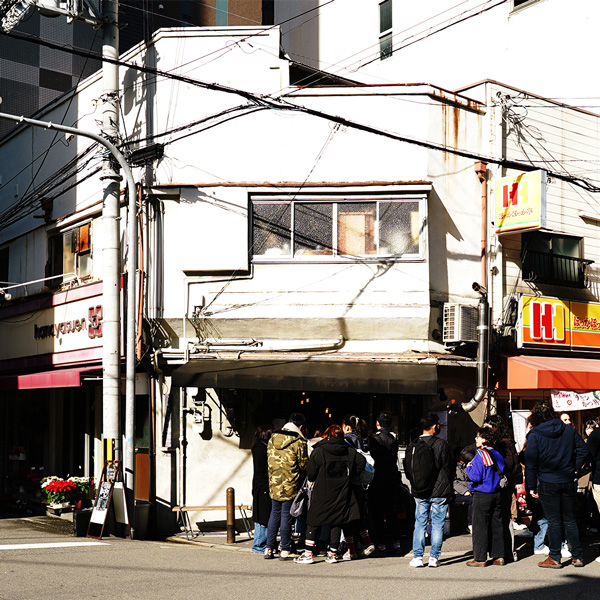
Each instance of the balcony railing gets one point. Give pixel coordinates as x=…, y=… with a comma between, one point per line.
x=555, y=269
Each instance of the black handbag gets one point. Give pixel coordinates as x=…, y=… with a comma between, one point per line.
x=301, y=502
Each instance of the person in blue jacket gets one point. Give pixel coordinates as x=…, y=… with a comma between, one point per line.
x=484, y=472
x=553, y=455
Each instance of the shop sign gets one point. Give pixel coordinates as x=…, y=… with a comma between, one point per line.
x=70, y=330
x=558, y=324
x=520, y=202
x=567, y=400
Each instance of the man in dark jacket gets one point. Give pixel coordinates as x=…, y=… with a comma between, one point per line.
x=553, y=455
x=434, y=498
x=383, y=446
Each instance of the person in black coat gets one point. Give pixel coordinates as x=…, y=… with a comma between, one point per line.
x=261, y=501
x=331, y=466
x=383, y=491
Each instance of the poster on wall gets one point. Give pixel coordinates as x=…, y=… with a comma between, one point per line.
x=567, y=400
x=519, y=423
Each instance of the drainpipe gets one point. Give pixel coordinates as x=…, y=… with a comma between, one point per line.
x=483, y=307
x=482, y=350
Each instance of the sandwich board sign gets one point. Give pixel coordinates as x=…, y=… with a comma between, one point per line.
x=111, y=492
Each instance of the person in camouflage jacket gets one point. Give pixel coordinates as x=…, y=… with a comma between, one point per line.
x=287, y=457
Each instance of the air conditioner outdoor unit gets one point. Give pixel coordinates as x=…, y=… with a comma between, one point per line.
x=460, y=323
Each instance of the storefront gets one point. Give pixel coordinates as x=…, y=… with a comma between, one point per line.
x=560, y=359
x=50, y=391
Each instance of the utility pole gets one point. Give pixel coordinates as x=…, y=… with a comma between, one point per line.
x=111, y=254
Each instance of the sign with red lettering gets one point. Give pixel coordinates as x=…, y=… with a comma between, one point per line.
x=520, y=202
x=559, y=324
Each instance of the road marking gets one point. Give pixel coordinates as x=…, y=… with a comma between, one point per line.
x=50, y=545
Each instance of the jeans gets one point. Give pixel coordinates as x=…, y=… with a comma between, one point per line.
x=280, y=519
x=260, y=538
x=539, y=539
x=558, y=502
x=438, y=508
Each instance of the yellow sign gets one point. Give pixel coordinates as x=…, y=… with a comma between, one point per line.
x=520, y=202
x=558, y=324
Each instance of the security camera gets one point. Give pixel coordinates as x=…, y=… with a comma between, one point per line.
x=479, y=288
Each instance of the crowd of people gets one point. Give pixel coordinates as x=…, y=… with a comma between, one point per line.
x=350, y=485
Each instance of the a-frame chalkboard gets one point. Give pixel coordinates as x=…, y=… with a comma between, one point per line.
x=111, y=481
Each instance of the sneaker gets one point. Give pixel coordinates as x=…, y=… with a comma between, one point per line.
x=542, y=550
x=368, y=550
x=470, y=528
x=331, y=558
x=286, y=555
x=597, y=559
x=433, y=562
x=565, y=552
x=348, y=556
x=381, y=548
x=519, y=526
x=268, y=553
x=417, y=561
x=305, y=559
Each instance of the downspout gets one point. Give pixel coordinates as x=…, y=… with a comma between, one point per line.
x=483, y=307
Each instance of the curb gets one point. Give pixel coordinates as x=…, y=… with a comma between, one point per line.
x=211, y=545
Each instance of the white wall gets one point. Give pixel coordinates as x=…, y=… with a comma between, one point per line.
x=544, y=47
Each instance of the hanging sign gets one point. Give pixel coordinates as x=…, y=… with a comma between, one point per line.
x=567, y=400
x=520, y=202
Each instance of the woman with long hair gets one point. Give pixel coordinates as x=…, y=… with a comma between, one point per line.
x=331, y=465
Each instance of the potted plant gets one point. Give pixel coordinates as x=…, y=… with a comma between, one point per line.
x=61, y=493
x=58, y=492
x=81, y=493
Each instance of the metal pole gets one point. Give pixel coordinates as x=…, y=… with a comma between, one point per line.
x=113, y=384
x=111, y=254
x=230, y=515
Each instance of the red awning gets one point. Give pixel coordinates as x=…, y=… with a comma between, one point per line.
x=552, y=372
x=45, y=379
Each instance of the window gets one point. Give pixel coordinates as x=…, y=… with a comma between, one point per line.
x=4, y=255
x=553, y=258
x=312, y=229
x=517, y=3
x=385, y=29
x=70, y=253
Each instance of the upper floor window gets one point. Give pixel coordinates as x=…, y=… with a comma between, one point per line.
x=553, y=259
x=385, y=29
x=325, y=229
x=517, y=3
x=70, y=254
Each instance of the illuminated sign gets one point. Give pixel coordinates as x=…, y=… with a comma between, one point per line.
x=558, y=324
x=520, y=202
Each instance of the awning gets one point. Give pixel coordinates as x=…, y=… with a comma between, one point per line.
x=310, y=373
x=552, y=372
x=45, y=379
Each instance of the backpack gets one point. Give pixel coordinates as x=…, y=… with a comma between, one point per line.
x=366, y=475
x=420, y=466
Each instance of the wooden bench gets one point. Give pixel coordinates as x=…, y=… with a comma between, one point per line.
x=183, y=518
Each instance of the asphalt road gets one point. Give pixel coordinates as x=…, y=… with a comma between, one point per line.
x=31, y=569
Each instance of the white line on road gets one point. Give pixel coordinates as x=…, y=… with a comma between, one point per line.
x=50, y=545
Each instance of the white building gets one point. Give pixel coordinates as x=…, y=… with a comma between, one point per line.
x=297, y=247
x=536, y=45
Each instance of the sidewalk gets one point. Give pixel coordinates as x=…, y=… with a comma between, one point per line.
x=454, y=546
